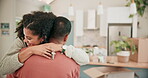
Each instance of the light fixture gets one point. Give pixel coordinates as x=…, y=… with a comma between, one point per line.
x=100, y=9
x=70, y=10
x=133, y=9
x=47, y=1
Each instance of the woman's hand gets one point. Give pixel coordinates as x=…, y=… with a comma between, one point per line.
x=41, y=50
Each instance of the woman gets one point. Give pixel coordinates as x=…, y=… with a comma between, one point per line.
x=14, y=59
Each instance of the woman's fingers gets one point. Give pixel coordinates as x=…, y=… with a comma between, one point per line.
x=43, y=50
x=49, y=49
x=46, y=54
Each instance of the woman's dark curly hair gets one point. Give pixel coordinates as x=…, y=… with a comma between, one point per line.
x=40, y=23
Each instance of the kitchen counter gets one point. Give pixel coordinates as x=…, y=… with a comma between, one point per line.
x=112, y=61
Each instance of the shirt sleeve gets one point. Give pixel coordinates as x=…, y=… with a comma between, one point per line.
x=10, y=63
x=79, y=55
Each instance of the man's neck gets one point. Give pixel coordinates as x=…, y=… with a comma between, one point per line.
x=56, y=41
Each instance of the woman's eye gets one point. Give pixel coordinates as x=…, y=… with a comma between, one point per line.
x=28, y=38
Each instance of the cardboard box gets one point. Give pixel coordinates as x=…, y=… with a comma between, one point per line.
x=109, y=72
x=141, y=55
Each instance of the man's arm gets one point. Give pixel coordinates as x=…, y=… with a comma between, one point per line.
x=79, y=55
x=10, y=63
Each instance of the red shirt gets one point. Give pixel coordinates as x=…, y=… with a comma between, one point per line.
x=41, y=67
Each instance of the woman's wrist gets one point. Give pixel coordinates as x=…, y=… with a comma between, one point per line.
x=31, y=50
x=24, y=55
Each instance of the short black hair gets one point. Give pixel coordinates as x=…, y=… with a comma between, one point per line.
x=61, y=27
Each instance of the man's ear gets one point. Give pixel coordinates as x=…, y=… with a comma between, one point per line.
x=65, y=38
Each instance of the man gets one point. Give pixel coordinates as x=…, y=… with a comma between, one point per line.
x=60, y=67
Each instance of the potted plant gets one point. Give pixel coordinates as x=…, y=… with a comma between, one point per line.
x=123, y=48
x=141, y=6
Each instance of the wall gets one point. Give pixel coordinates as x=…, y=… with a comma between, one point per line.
x=62, y=6
x=26, y=6
x=7, y=15
x=143, y=25
x=91, y=37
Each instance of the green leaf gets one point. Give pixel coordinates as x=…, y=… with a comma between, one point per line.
x=124, y=37
x=131, y=16
x=117, y=50
x=128, y=4
x=141, y=1
x=141, y=5
x=146, y=2
x=141, y=11
x=123, y=45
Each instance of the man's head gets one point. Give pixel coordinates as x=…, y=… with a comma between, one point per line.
x=61, y=29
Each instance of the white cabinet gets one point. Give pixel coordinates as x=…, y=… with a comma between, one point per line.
x=118, y=15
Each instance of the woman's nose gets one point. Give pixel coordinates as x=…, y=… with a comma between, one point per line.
x=25, y=40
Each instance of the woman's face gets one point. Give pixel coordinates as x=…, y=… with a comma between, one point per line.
x=31, y=39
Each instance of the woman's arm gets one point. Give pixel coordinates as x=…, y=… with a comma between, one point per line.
x=10, y=63
x=42, y=50
x=14, y=59
x=79, y=55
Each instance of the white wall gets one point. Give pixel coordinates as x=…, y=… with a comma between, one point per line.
x=7, y=15
x=62, y=5
x=143, y=25
x=26, y=6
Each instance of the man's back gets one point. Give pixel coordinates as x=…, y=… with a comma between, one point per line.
x=40, y=67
